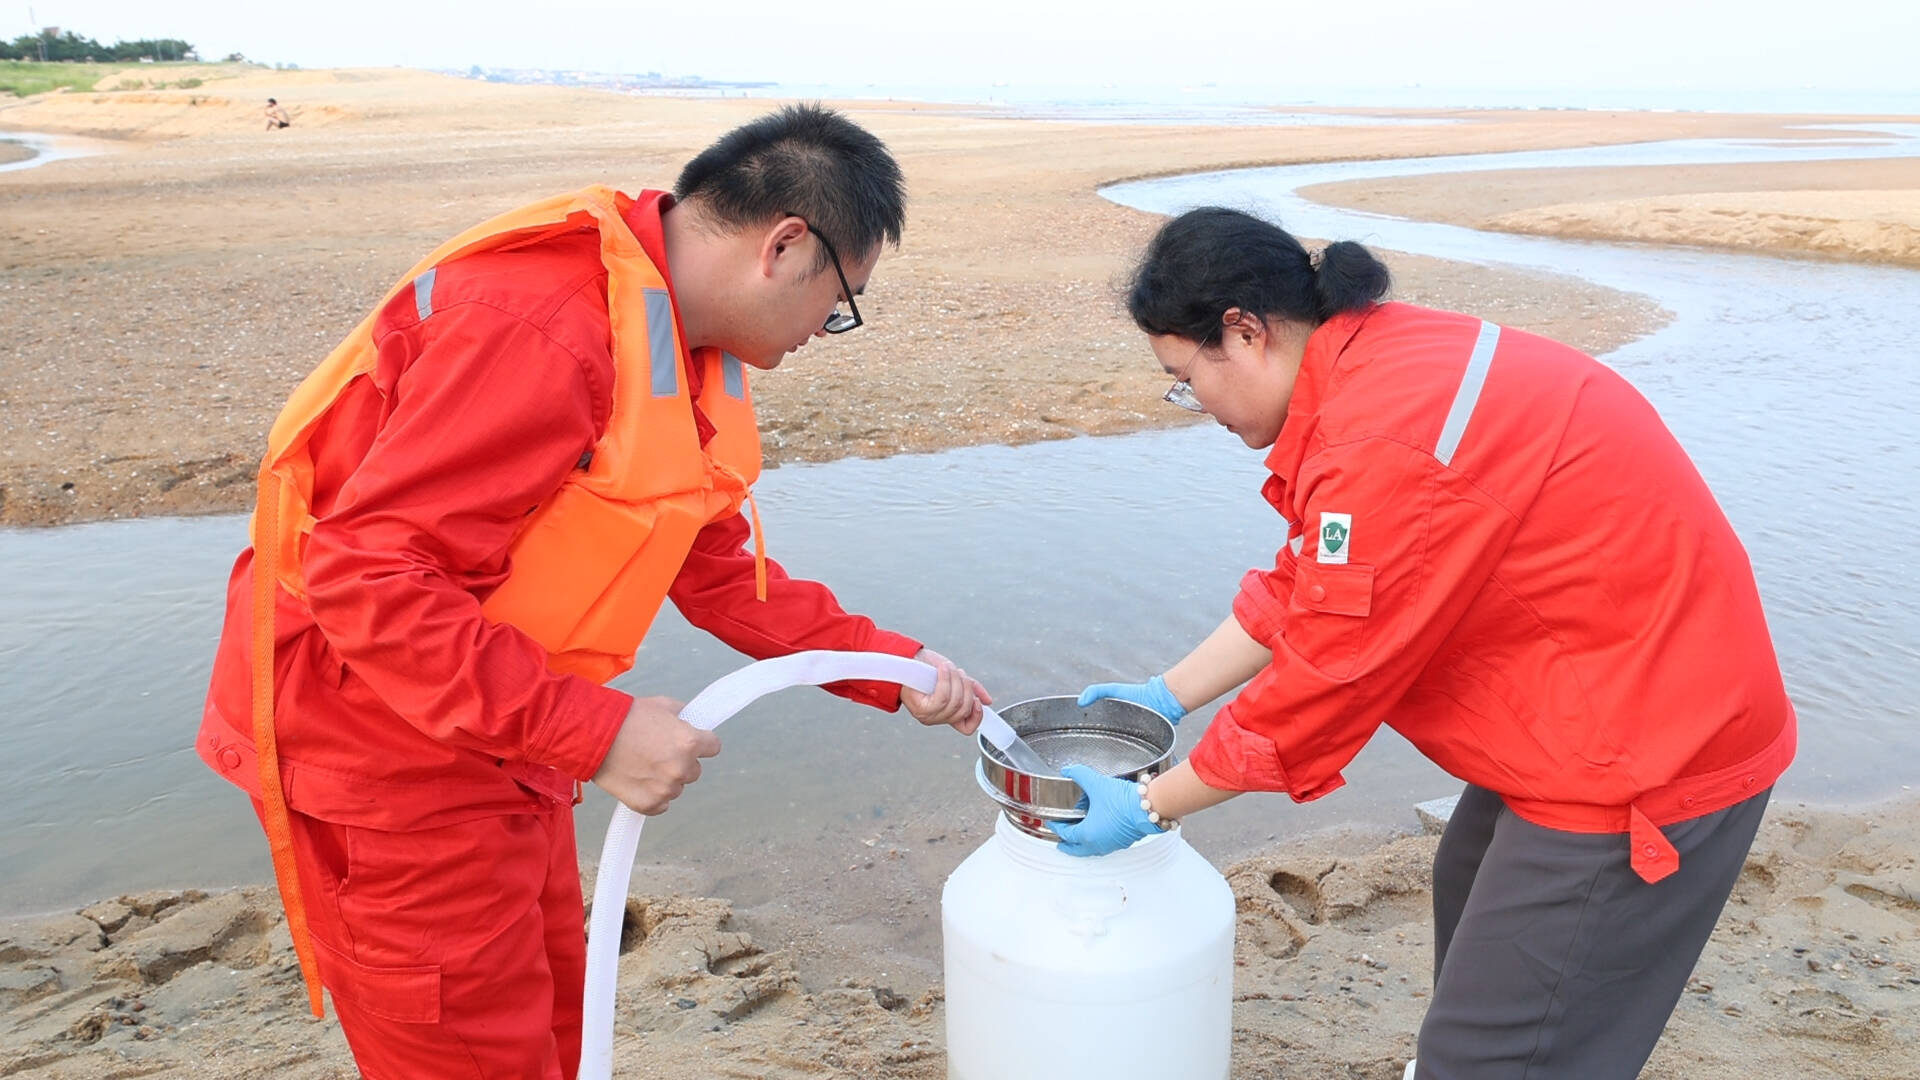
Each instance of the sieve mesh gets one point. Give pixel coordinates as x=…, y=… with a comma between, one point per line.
x=1110, y=752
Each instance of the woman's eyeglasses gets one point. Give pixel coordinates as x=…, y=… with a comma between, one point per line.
x=1180, y=393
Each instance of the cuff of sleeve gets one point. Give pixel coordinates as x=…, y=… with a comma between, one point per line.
x=580, y=730
x=1233, y=758
x=884, y=696
x=1260, y=613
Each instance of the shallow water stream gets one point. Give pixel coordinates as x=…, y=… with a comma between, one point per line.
x=1043, y=567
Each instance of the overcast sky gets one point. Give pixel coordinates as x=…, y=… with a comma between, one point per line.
x=1288, y=47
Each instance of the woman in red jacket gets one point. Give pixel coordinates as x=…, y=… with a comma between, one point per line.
x=1495, y=547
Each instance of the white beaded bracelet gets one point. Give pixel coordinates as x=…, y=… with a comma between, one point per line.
x=1166, y=824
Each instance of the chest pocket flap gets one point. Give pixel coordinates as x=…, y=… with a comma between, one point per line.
x=1336, y=589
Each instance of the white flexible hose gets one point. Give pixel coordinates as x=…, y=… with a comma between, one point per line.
x=726, y=696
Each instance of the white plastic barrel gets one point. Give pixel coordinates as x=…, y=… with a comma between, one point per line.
x=1057, y=966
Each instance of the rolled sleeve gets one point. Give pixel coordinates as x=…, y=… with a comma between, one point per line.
x=1232, y=758
x=1259, y=611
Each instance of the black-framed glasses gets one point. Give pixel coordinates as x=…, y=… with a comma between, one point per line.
x=838, y=322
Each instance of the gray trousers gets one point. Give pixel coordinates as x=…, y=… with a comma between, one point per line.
x=1552, y=959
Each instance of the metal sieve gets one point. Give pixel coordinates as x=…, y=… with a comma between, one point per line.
x=1114, y=737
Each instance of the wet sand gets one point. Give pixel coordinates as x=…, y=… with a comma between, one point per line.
x=146, y=359
x=1811, y=973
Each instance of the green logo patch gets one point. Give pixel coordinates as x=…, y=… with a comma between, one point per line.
x=1336, y=537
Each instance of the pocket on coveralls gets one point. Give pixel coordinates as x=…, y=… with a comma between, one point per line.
x=404, y=995
x=1339, y=598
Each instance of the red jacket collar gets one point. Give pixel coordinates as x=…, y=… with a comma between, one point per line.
x=643, y=217
x=1324, y=348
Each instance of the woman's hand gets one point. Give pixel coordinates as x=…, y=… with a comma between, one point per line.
x=1227, y=658
x=1153, y=694
x=1114, y=820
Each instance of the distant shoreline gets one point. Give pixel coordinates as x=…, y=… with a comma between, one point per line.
x=1053, y=97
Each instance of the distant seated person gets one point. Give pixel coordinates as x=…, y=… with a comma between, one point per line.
x=276, y=116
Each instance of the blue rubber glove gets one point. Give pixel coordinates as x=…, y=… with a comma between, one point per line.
x=1114, y=819
x=1153, y=694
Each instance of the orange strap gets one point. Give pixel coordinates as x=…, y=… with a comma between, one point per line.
x=759, y=550
x=266, y=586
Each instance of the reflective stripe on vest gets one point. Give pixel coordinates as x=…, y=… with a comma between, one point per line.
x=663, y=359
x=733, y=378
x=1468, y=395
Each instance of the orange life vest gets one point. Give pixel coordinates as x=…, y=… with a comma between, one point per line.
x=592, y=565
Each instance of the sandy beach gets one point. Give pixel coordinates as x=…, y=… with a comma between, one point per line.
x=163, y=298
x=1810, y=974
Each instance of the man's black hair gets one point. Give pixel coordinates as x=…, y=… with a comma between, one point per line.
x=806, y=160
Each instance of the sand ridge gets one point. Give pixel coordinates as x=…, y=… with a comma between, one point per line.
x=1865, y=211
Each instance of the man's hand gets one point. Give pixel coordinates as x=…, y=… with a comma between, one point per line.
x=655, y=756
x=955, y=701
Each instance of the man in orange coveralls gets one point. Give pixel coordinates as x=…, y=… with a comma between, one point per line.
x=469, y=515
